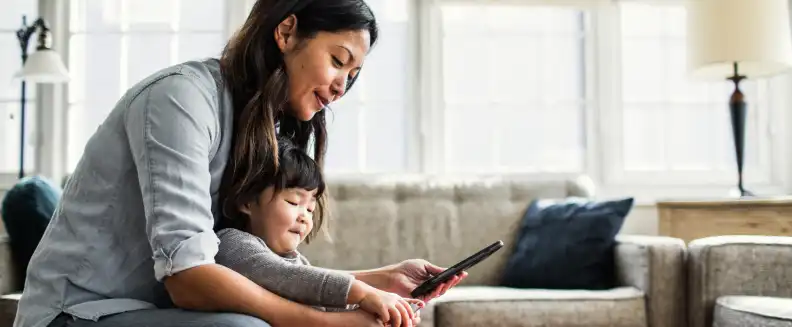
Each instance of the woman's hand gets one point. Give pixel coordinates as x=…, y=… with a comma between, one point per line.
x=404, y=277
x=391, y=308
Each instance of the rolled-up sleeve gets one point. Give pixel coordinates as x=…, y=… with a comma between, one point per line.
x=171, y=125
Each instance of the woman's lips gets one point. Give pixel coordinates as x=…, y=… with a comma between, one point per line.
x=321, y=102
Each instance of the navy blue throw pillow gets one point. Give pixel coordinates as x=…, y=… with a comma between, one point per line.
x=567, y=244
x=26, y=210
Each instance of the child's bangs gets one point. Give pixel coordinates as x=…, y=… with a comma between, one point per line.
x=301, y=173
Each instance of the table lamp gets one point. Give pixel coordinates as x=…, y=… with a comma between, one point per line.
x=735, y=40
x=42, y=66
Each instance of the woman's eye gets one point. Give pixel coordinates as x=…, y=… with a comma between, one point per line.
x=337, y=62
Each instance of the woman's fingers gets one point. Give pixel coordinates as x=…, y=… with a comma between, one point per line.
x=462, y=277
x=435, y=293
x=444, y=288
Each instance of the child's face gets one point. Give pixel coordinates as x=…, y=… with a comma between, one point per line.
x=283, y=220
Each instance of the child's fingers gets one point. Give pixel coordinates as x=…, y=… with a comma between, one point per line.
x=406, y=313
x=383, y=313
x=417, y=302
x=396, y=316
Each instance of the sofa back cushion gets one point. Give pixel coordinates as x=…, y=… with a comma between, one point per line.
x=379, y=222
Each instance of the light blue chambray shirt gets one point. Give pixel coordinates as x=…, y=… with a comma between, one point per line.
x=141, y=203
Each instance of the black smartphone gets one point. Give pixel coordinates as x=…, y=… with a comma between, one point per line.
x=428, y=286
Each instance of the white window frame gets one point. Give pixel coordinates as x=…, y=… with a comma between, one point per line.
x=603, y=87
x=647, y=188
x=426, y=119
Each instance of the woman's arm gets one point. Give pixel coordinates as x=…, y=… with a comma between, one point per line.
x=213, y=287
x=380, y=278
x=171, y=126
x=243, y=296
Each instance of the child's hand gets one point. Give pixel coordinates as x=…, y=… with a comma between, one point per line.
x=392, y=309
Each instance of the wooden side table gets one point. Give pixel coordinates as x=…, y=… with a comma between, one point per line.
x=693, y=219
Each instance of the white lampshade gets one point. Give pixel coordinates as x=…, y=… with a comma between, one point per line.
x=753, y=33
x=44, y=66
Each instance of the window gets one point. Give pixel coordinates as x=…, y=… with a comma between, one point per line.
x=674, y=129
x=116, y=43
x=368, y=129
x=467, y=87
x=10, y=88
x=514, y=93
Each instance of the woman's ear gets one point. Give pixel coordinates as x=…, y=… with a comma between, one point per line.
x=245, y=208
x=285, y=32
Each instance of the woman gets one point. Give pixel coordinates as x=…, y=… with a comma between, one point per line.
x=134, y=231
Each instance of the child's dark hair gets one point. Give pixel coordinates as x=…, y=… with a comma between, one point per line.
x=296, y=170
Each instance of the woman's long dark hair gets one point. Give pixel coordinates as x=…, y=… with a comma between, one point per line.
x=253, y=69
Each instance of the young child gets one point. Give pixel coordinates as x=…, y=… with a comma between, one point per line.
x=277, y=214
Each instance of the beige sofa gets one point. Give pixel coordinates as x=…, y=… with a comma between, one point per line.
x=740, y=281
x=379, y=222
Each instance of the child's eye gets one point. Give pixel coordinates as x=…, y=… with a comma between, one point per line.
x=292, y=203
x=337, y=62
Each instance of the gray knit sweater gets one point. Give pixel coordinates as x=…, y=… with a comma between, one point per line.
x=291, y=276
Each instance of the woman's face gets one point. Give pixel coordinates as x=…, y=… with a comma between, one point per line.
x=319, y=68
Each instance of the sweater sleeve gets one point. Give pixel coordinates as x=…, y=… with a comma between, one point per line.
x=250, y=256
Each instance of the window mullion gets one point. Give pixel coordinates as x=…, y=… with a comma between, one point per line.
x=609, y=105
x=431, y=95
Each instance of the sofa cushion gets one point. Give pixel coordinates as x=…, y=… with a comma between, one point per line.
x=26, y=211
x=753, y=311
x=509, y=307
x=567, y=244
x=379, y=221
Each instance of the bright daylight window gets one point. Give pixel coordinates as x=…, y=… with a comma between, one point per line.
x=513, y=88
x=669, y=122
x=502, y=88
x=116, y=43
x=369, y=128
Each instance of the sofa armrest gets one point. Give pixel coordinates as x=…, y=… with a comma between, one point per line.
x=655, y=265
x=736, y=265
x=11, y=278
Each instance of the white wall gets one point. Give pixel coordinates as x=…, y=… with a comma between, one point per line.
x=642, y=220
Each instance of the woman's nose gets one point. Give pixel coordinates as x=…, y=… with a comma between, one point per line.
x=338, y=89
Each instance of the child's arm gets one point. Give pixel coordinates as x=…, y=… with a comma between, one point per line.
x=250, y=256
